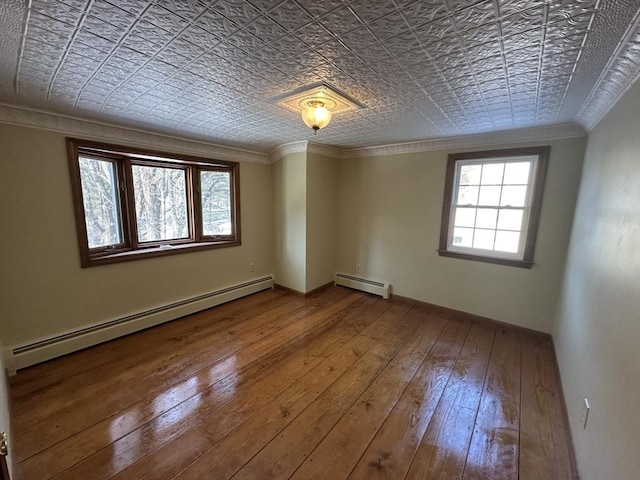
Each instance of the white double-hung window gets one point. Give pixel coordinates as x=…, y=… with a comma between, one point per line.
x=492, y=205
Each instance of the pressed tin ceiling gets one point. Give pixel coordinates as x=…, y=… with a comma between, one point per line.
x=333, y=100
x=422, y=69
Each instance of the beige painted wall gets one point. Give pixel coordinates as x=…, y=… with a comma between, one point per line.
x=322, y=210
x=289, y=176
x=43, y=290
x=390, y=209
x=597, y=332
x=305, y=203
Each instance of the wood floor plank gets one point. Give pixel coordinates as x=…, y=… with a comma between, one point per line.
x=444, y=446
x=390, y=453
x=544, y=452
x=38, y=380
x=239, y=445
x=228, y=399
x=134, y=360
x=280, y=458
x=338, y=385
x=220, y=376
x=178, y=453
x=171, y=363
x=358, y=426
x=493, y=452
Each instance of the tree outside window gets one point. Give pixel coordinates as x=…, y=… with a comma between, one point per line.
x=133, y=204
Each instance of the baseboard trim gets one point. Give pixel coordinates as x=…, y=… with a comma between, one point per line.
x=298, y=293
x=292, y=291
x=25, y=355
x=466, y=315
x=319, y=289
x=565, y=412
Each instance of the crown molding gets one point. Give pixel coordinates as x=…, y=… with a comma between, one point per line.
x=304, y=146
x=285, y=149
x=522, y=135
x=534, y=134
x=622, y=71
x=96, y=130
x=325, y=150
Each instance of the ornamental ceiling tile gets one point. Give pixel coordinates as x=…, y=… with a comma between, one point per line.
x=421, y=68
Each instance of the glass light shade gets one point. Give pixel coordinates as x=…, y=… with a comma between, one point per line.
x=316, y=116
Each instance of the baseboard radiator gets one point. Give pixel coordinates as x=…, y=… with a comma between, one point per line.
x=45, y=349
x=363, y=284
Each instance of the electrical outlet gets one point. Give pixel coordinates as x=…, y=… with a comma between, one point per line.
x=585, y=413
x=358, y=268
x=252, y=267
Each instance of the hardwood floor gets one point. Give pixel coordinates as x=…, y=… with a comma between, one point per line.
x=337, y=385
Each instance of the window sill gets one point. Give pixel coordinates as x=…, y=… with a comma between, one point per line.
x=104, y=258
x=481, y=258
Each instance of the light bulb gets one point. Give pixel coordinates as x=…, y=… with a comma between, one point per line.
x=316, y=115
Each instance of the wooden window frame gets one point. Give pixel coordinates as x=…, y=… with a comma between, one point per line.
x=534, y=207
x=131, y=248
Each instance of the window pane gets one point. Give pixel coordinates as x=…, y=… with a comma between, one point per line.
x=484, y=239
x=487, y=218
x=215, y=190
x=468, y=196
x=513, y=196
x=462, y=237
x=470, y=174
x=465, y=217
x=517, y=173
x=161, y=203
x=100, y=201
x=498, y=191
x=492, y=173
x=489, y=196
x=510, y=220
x=507, y=241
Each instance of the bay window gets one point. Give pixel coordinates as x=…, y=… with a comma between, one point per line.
x=132, y=204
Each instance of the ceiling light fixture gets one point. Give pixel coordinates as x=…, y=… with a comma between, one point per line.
x=315, y=113
x=317, y=103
